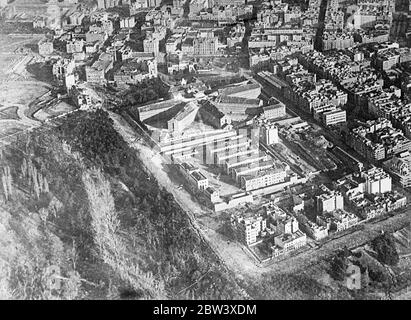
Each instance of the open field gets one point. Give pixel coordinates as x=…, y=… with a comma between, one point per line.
x=17, y=90
x=22, y=95
x=9, y=113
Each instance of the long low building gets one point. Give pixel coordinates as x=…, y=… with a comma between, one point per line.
x=252, y=156
x=177, y=145
x=333, y=117
x=194, y=175
x=251, y=168
x=148, y=111
x=238, y=106
x=219, y=147
x=262, y=178
x=223, y=156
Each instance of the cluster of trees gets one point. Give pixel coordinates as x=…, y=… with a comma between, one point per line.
x=127, y=234
x=122, y=11
x=156, y=226
x=386, y=250
x=339, y=264
x=7, y=27
x=42, y=71
x=7, y=182
x=35, y=178
x=112, y=247
x=39, y=264
x=92, y=135
x=147, y=90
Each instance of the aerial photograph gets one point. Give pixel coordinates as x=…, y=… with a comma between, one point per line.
x=197, y=150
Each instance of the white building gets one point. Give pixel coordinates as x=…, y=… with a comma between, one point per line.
x=334, y=117
x=128, y=22
x=269, y=133
x=377, y=181
x=45, y=47
x=288, y=242
x=152, y=45
x=329, y=200
x=249, y=228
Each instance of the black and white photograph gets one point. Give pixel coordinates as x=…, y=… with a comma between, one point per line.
x=195, y=157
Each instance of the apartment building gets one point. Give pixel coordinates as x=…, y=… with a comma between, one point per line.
x=75, y=46
x=75, y=19
x=275, y=110
x=314, y=230
x=399, y=167
x=152, y=45
x=263, y=178
x=96, y=73
x=377, y=181
x=377, y=140
x=249, y=228
x=337, y=40
x=341, y=220
x=205, y=46
x=269, y=133
x=198, y=5
x=46, y=47
x=333, y=117
x=96, y=36
x=311, y=96
x=286, y=243
x=127, y=22
x=105, y=4
x=63, y=67
x=329, y=200
x=352, y=187
x=135, y=71
x=195, y=177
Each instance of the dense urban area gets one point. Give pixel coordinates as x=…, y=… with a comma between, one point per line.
x=205, y=149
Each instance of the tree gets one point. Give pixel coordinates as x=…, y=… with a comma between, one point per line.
x=7, y=181
x=113, y=249
x=339, y=265
x=386, y=250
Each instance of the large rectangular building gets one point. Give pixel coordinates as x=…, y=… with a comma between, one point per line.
x=274, y=111
x=329, y=200
x=334, y=117
x=251, y=168
x=183, y=118
x=205, y=46
x=400, y=168
x=175, y=145
x=377, y=181
x=242, y=158
x=249, y=228
x=263, y=178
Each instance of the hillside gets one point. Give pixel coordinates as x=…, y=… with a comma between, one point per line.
x=75, y=201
